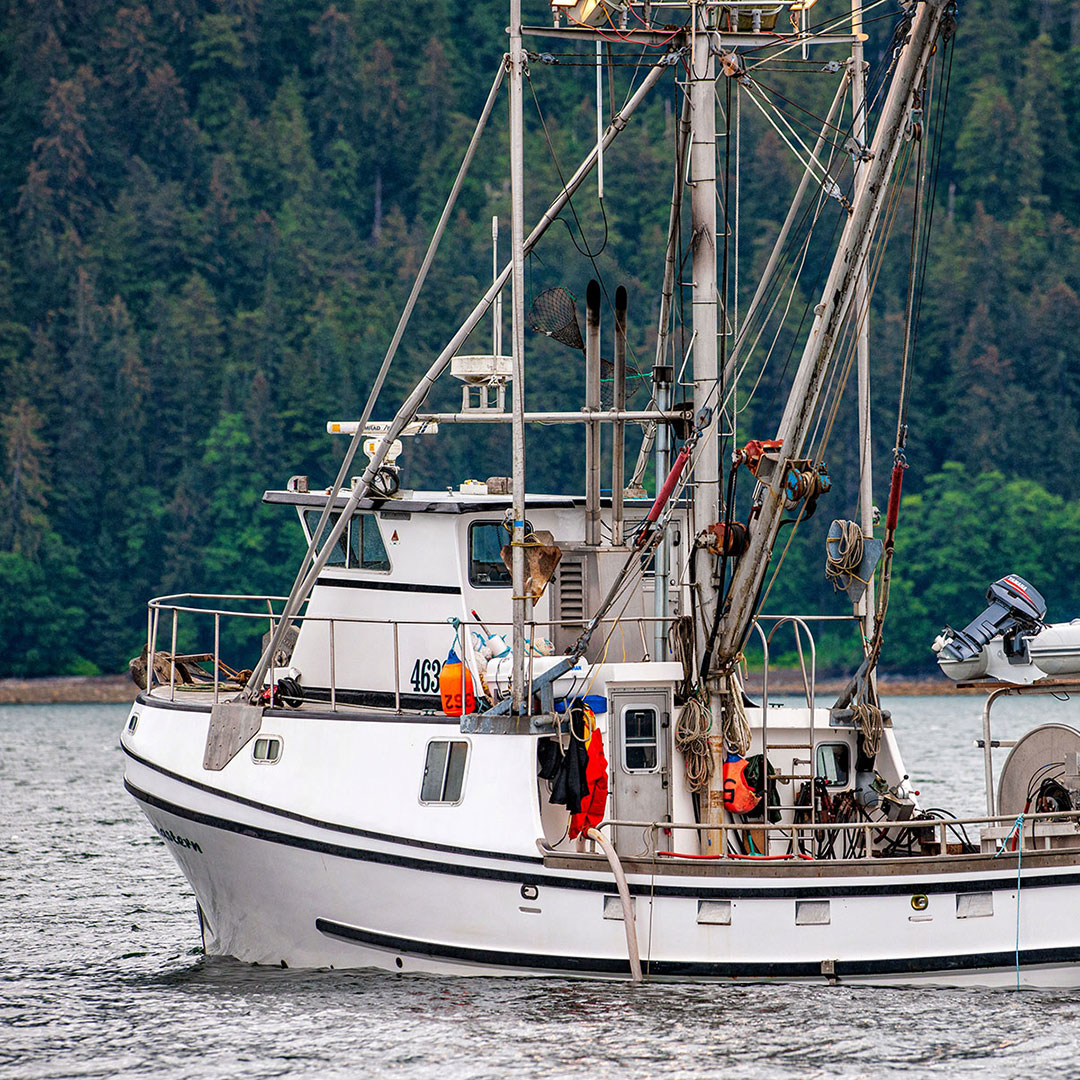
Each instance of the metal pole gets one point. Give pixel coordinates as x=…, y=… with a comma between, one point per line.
x=172, y=658
x=662, y=376
x=496, y=308
x=592, y=405
x=600, y=119
x=153, y=650
x=397, y=671
x=302, y=588
x=149, y=648
x=333, y=666
x=662, y=391
x=829, y=317
x=988, y=752
x=702, y=180
x=517, y=207
x=785, y=229
x=217, y=653
x=618, y=429
x=866, y=604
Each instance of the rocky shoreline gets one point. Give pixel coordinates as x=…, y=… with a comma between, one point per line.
x=115, y=689
x=68, y=690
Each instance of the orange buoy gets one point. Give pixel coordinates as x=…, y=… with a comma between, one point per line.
x=455, y=682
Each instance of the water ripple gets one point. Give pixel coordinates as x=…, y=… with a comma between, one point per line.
x=101, y=975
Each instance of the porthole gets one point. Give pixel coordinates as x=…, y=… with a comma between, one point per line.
x=920, y=902
x=267, y=750
x=133, y=723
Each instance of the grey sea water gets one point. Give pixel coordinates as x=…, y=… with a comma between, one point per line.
x=101, y=973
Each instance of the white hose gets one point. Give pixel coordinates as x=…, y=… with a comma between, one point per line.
x=629, y=924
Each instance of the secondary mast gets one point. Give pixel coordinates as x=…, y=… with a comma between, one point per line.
x=516, y=61
x=702, y=181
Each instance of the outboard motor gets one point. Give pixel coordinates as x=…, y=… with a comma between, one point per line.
x=1015, y=615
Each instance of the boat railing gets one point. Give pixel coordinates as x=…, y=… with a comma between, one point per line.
x=217, y=607
x=164, y=615
x=929, y=837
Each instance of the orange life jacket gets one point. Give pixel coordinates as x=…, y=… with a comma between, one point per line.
x=739, y=796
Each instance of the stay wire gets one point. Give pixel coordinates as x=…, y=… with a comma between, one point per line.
x=857, y=318
x=939, y=127
x=590, y=255
x=819, y=452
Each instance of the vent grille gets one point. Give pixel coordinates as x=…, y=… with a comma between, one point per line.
x=572, y=591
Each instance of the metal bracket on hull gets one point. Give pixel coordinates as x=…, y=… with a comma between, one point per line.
x=231, y=726
x=491, y=724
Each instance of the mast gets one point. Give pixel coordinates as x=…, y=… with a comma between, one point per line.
x=517, y=213
x=865, y=606
x=829, y=316
x=702, y=180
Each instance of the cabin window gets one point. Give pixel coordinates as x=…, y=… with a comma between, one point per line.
x=641, y=738
x=833, y=763
x=372, y=549
x=340, y=555
x=267, y=750
x=362, y=550
x=444, y=772
x=486, y=540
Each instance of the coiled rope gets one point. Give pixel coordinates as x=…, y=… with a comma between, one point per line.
x=870, y=724
x=681, y=643
x=735, y=728
x=692, y=739
x=849, y=555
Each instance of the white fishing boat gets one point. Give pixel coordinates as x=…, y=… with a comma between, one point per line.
x=498, y=732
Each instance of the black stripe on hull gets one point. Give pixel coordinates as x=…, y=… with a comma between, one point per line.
x=290, y=815
x=380, y=699
x=803, y=891
x=925, y=966
x=388, y=586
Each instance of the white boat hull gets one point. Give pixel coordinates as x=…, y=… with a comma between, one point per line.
x=278, y=886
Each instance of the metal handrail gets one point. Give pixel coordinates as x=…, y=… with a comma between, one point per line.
x=174, y=606
x=868, y=828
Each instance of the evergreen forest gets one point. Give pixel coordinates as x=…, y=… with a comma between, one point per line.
x=213, y=211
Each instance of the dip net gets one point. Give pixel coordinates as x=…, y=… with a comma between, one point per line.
x=554, y=313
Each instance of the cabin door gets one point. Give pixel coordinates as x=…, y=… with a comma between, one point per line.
x=639, y=764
